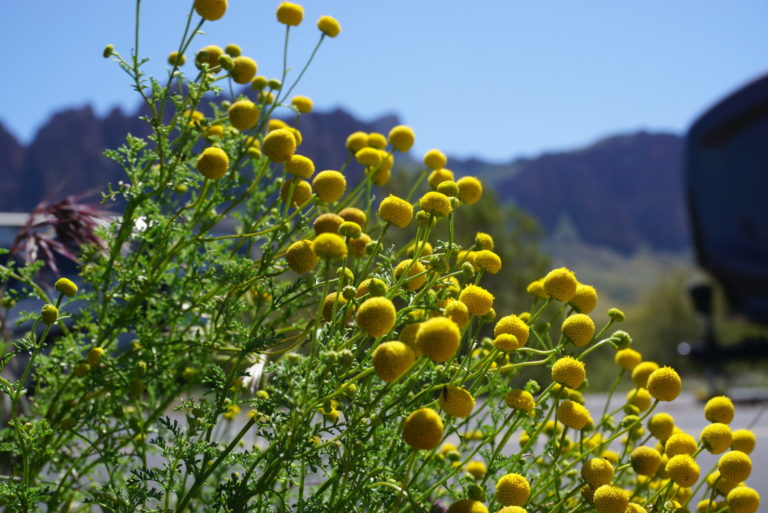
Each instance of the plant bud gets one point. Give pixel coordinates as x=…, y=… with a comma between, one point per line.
x=226, y=62
x=346, y=357
x=532, y=386
x=621, y=339
x=349, y=292
x=476, y=493
x=616, y=315
x=467, y=270
x=108, y=51
x=275, y=84
x=49, y=314
x=141, y=367
x=81, y=369
x=259, y=83
x=449, y=188
x=350, y=229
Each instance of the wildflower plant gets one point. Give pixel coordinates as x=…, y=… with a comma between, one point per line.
x=246, y=338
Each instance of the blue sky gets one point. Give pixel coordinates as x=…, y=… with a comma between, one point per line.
x=495, y=79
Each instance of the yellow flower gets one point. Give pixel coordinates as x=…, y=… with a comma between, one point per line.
x=301, y=259
x=372, y=286
x=585, y=298
x=513, y=325
x=743, y=499
x=664, y=384
x=512, y=490
x=661, y=426
x=611, y=456
x=484, y=241
x=355, y=215
x=456, y=401
x=597, y=472
x=396, y=211
x=627, y=358
x=213, y=131
x=438, y=338
x=610, y=499
x=401, y=138
x=392, y=359
x=435, y=159
x=233, y=50
x=569, y=371
x=356, y=141
x=299, y=165
x=645, y=460
x=470, y=189
x=506, y=342
x=488, y=261
x=328, y=305
x=211, y=10
x=743, y=440
x=642, y=372
x=719, y=409
x=289, y=13
x=329, y=185
x=683, y=470
x=376, y=316
x=279, y=145
x=213, y=163
x=680, y=443
x=734, y=466
x=467, y=506
x=330, y=246
x=476, y=469
x=244, y=115
x=302, y=191
x=560, y=284
x=640, y=398
x=579, y=329
x=513, y=509
x=94, y=356
x=573, y=415
x=209, y=55
x=717, y=437
x=376, y=140
x=357, y=246
x=478, y=300
x=519, y=400
x=457, y=312
x=233, y=411
x=436, y=204
x=423, y=429
x=176, y=59
x=416, y=277
x=439, y=176
x=536, y=288
x=329, y=26
x=327, y=223
x=243, y=70
x=65, y=286
x=302, y=104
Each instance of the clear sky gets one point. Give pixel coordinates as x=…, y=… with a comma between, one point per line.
x=494, y=78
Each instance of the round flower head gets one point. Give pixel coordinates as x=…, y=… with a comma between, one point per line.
x=585, y=298
x=610, y=499
x=680, y=443
x=436, y=204
x=65, y=286
x=719, y=409
x=476, y=469
x=439, y=176
x=302, y=192
x=233, y=50
x=357, y=246
x=299, y=165
x=743, y=440
x=368, y=157
x=243, y=70
x=355, y=215
x=176, y=59
x=435, y=159
x=356, y=141
x=94, y=356
x=376, y=140
x=640, y=398
x=211, y=10
x=330, y=246
x=512, y=490
x=536, y=288
x=467, y=506
x=513, y=325
x=279, y=145
x=244, y=115
x=717, y=437
x=438, y=338
x=645, y=460
x=513, y=509
x=456, y=401
x=396, y=211
x=457, y=312
x=213, y=131
x=289, y=13
x=478, y=300
x=302, y=104
x=416, y=277
x=597, y=472
x=573, y=415
x=327, y=223
x=627, y=358
x=569, y=371
x=743, y=499
x=664, y=384
x=642, y=372
x=506, y=343
x=328, y=305
x=425, y=248
x=520, y=400
x=329, y=26
x=209, y=55
x=683, y=470
x=401, y=138
x=734, y=466
x=560, y=284
x=376, y=316
x=329, y=185
x=661, y=426
x=579, y=329
x=301, y=259
x=392, y=359
x=213, y=163
x=470, y=189
x=372, y=286
x=276, y=124
x=423, y=429
x=636, y=508
x=488, y=261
